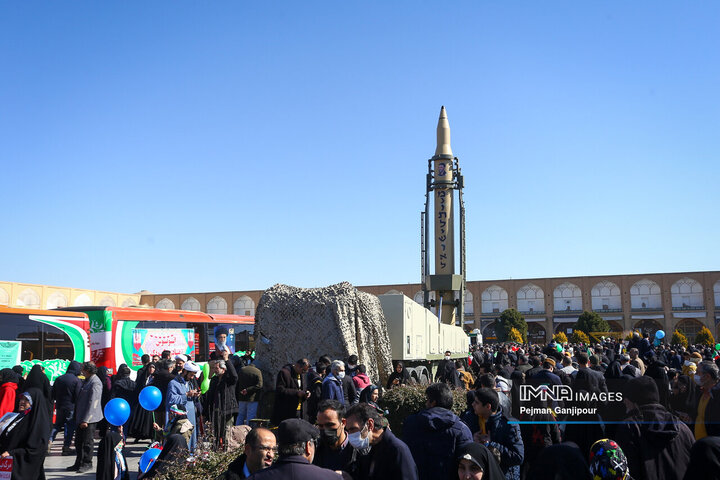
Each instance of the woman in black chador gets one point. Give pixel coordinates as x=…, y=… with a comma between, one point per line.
x=26, y=436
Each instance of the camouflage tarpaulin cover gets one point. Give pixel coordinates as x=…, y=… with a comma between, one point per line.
x=338, y=321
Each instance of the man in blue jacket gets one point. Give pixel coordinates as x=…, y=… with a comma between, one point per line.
x=435, y=434
x=332, y=388
x=497, y=434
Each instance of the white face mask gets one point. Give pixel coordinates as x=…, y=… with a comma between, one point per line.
x=360, y=443
x=447, y=357
x=697, y=380
x=340, y=375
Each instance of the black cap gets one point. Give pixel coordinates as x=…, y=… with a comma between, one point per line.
x=295, y=430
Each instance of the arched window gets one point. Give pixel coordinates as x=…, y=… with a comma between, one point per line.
x=107, y=301
x=28, y=298
x=494, y=299
x=690, y=328
x=687, y=294
x=244, y=306
x=56, y=300
x=606, y=297
x=4, y=297
x=217, y=305
x=392, y=292
x=165, y=303
x=531, y=299
x=419, y=297
x=536, y=332
x=489, y=334
x=190, y=304
x=468, y=307
x=645, y=295
x=648, y=326
x=716, y=291
x=82, y=300
x=567, y=297
x=129, y=302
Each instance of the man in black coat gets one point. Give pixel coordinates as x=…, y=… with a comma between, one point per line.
x=291, y=392
x=435, y=434
x=588, y=379
x=334, y=450
x=656, y=443
x=296, y=448
x=259, y=453
x=381, y=454
x=221, y=401
x=65, y=392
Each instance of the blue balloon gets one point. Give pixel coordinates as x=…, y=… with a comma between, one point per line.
x=148, y=458
x=117, y=411
x=660, y=334
x=150, y=398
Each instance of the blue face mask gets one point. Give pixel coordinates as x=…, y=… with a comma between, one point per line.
x=360, y=443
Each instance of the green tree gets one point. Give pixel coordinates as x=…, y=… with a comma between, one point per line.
x=508, y=320
x=560, y=337
x=591, y=322
x=679, y=339
x=578, y=336
x=705, y=337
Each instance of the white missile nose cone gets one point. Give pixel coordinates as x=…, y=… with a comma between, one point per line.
x=443, y=135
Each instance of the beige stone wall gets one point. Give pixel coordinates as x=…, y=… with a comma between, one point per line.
x=29, y=295
x=627, y=318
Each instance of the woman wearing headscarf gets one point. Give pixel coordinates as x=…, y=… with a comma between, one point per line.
x=370, y=395
x=37, y=379
x=111, y=463
x=704, y=460
x=26, y=437
x=141, y=420
x=684, y=398
x=475, y=462
x=124, y=387
x=8, y=390
x=174, y=450
x=614, y=411
x=608, y=462
x=399, y=377
x=102, y=374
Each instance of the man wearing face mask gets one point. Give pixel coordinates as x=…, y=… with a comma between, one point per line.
x=446, y=369
x=334, y=451
x=296, y=448
x=381, y=454
x=707, y=421
x=332, y=384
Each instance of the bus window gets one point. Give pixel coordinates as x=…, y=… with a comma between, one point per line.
x=56, y=344
x=39, y=341
x=244, y=338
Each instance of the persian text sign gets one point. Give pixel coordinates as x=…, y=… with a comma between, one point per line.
x=9, y=353
x=6, y=465
x=154, y=340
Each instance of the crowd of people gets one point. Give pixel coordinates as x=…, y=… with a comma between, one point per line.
x=609, y=410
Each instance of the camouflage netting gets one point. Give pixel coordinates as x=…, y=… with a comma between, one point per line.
x=337, y=321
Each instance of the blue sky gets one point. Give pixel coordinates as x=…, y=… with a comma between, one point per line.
x=209, y=146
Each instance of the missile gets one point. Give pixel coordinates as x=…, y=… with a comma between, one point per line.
x=443, y=211
x=443, y=136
